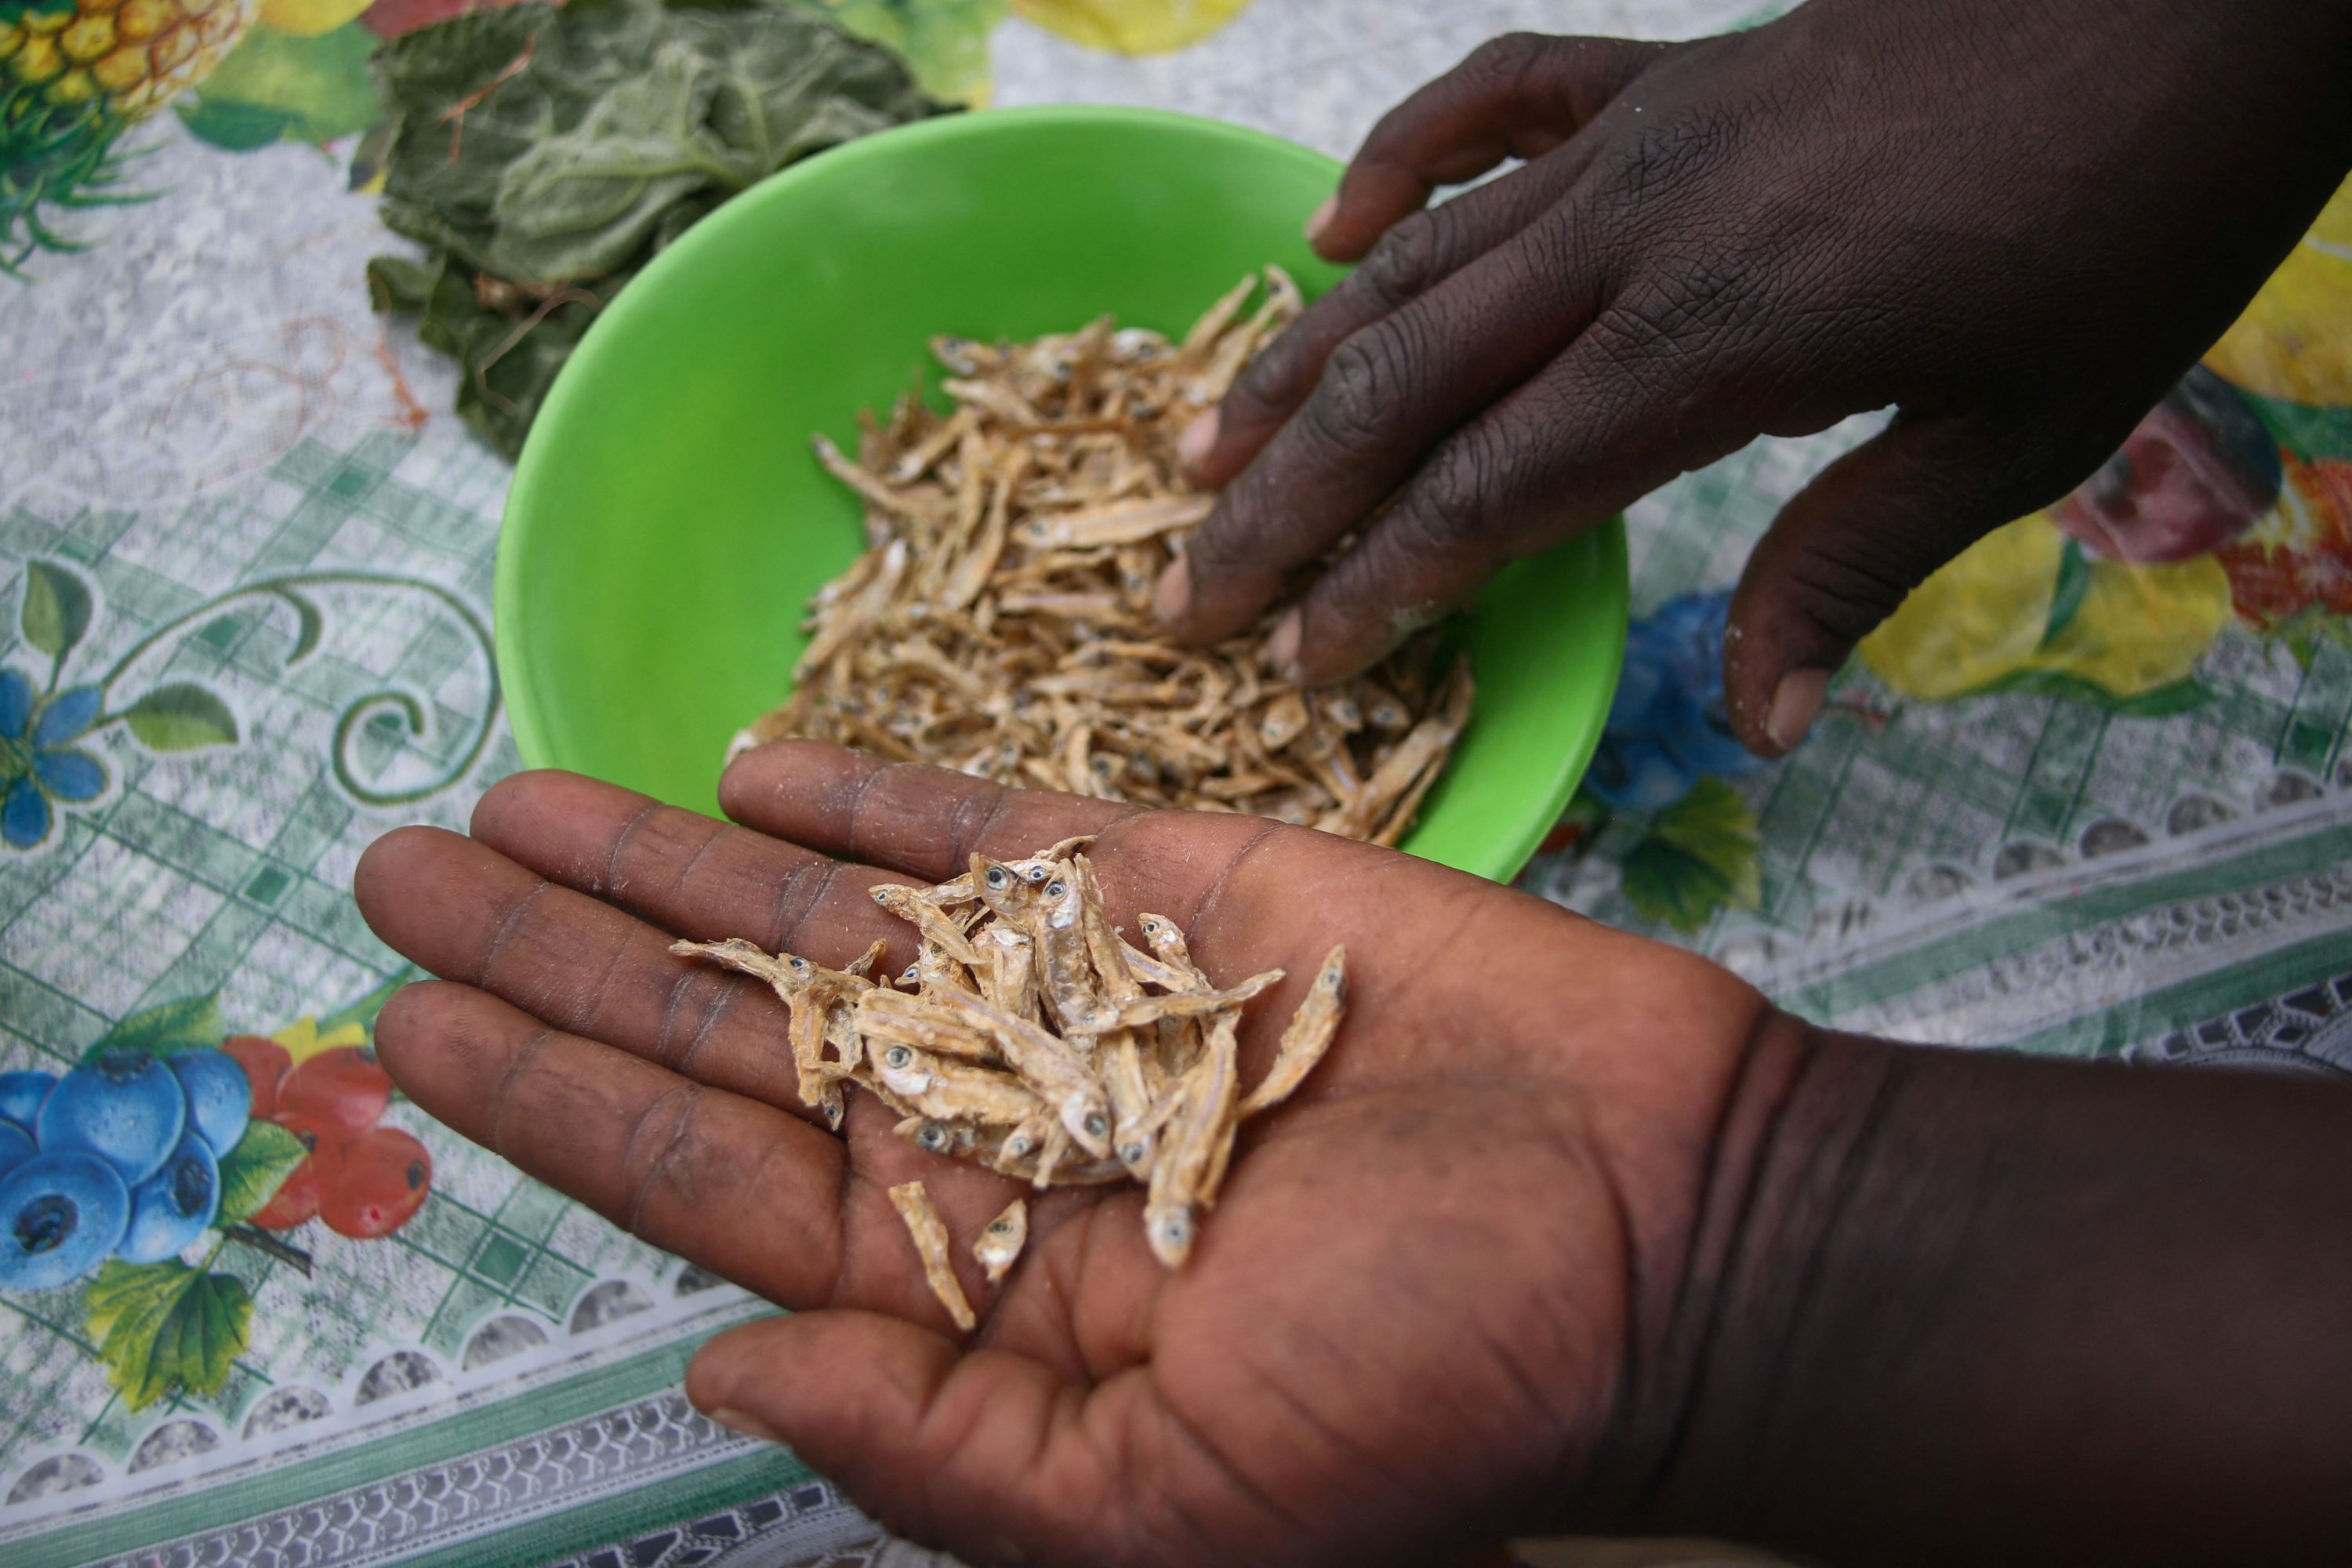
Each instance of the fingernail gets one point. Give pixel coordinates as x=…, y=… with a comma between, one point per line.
x=1172, y=594
x=1322, y=219
x=747, y=1426
x=1282, y=645
x=1796, y=703
x=1193, y=444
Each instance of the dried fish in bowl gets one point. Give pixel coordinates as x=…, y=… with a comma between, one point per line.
x=1032, y=1037
x=1000, y=620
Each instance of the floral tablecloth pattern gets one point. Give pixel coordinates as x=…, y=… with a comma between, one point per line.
x=2088, y=793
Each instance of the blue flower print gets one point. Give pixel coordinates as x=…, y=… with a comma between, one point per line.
x=1668, y=728
x=38, y=763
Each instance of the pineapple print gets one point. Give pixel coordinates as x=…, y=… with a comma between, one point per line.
x=73, y=73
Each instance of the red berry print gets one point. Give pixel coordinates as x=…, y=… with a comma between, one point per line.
x=377, y=1185
x=265, y=1062
x=342, y=1089
x=293, y=1202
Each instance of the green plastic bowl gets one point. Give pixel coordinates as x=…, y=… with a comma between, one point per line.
x=667, y=521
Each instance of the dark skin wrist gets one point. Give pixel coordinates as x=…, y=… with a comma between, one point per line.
x=2017, y=222
x=1961, y=1307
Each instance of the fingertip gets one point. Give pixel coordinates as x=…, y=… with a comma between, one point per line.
x=413, y=1020
x=1282, y=645
x=1319, y=221
x=1796, y=703
x=386, y=866
x=1198, y=441
x=1172, y=594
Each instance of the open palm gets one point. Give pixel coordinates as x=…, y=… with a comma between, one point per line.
x=1414, y=1306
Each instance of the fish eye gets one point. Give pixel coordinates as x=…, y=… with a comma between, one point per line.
x=998, y=1228
x=909, y=973
x=800, y=965
x=1176, y=1230
x=1019, y=1146
x=933, y=1137
x=881, y=895
x=1054, y=890
x=1152, y=928
x=1131, y=1156
x=996, y=878
x=1036, y=873
x=897, y=1055
x=1097, y=1125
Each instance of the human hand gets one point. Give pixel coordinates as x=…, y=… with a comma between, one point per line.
x=1414, y=1320
x=2016, y=224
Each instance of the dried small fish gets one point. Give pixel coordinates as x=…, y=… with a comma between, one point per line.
x=1000, y=1244
x=1000, y=621
x=1307, y=1037
x=1039, y=1042
x=930, y=1234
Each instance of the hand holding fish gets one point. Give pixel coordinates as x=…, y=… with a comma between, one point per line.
x=1568, y=1230
x=1426, y=1253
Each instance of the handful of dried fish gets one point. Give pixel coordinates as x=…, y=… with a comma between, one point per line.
x=1031, y=1035
x=1000, y=620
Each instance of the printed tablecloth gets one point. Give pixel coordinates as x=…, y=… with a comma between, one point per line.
x=2088, y=793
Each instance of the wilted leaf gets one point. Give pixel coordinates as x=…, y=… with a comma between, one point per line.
x=57, y=609
x=251, y=1173
x=159, y=1031
x=181, y=717
x=162, y=1325
x=544, y=156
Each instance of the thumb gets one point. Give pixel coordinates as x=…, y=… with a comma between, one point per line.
x=1850, y=546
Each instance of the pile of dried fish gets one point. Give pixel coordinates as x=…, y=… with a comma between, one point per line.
x=1000, y=620
x=1031, y=1035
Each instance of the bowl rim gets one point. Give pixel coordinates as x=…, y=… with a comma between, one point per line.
x=526, y=719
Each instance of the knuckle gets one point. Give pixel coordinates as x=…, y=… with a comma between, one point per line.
x=1355, y=404
x=1503, y=60
x=1406, y=261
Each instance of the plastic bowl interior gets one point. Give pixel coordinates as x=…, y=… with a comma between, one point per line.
x=667, y=521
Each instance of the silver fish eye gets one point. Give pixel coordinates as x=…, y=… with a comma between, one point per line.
x=933, y=1137
x=1036, y=873
x=1131, y=1156
x=1097, y=1125
x=998, y=1228
x=996, y=877
x=897, y=1055
x=1019, y=1146
x=1176, y=1230
x=800, y=965
x=1054, y=890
